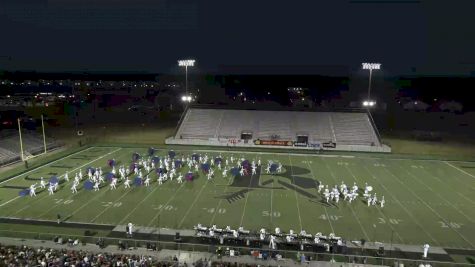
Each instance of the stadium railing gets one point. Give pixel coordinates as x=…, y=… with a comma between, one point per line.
x=286, y=254
x=374, y=126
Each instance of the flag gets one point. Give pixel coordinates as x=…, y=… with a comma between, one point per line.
x=53, y=180
x=156, y=159
x=273, y=167
x=111, y=163
x=88, y=185
x=189, y=176
x=138, y=181
x=234, y=171
x=109, y=176
x=195, y=157
x=205, y=167
x=171, y=154
x=24, y=192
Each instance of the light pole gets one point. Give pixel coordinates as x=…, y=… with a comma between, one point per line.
x=186, y=63
x=370, y=67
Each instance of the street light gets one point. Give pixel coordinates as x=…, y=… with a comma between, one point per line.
x=370, y=67
x=186, y=63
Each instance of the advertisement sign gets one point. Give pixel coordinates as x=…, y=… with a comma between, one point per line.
x=301, y=144
x=329, y=144
x=315, y=145
x=273, y=142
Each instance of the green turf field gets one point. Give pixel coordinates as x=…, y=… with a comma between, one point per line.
x=427, y=201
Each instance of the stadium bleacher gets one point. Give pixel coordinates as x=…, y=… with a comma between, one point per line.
x=32, y=145
x=343, y=128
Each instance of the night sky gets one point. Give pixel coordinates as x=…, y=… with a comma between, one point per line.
x=425, y=37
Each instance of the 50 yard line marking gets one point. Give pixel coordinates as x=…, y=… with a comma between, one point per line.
x=247, y=196
x=295, y=192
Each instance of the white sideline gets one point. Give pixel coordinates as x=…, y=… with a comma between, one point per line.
x=455, y=167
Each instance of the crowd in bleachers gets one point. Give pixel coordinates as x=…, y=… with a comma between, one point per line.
x=13, y=256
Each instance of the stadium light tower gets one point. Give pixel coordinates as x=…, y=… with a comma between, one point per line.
x=370, y=67
x=186, y=63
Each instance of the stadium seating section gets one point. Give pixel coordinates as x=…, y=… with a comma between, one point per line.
x=32, y=145
x=340, y=127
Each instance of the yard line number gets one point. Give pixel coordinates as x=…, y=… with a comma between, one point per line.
x=111, y=204
x=389, y=220
x=60, y=201
x=213, y=210
x=330, y=217
x=450, y=224
x=341, y=163
x=275, y=214
x=417, y=166
x=165, y=207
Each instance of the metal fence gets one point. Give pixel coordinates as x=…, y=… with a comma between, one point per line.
x=131, y=243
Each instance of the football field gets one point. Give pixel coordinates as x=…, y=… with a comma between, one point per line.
x=427, y=201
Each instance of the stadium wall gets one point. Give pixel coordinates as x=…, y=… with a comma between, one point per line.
x=240, y=143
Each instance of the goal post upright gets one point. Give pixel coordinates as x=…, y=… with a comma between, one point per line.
x=44, y=136
x=21, y=142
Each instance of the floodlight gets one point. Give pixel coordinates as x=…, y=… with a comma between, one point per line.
x=371, y=66
x=186, y=62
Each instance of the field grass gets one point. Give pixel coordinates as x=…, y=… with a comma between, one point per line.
x=427, y=201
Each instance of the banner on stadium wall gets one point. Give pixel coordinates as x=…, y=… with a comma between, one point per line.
x=301, y=144
x=273, y=142
x=315, y=145
x=329, y=144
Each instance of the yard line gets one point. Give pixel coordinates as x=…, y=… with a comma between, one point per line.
x=42, y=166
x=427, y=205
x=87, y=203
x=46, y=195
x=72, y=195
x=169, y=200
x=295, y=192
x=3, y=204
x=247, y=196
x=314, y=179
x=438, y=194
x=402, y=206
x=473, y=202
x=219, y=205
x=193, y=204
x=138, y=205
x=379, y=210
x=457, y=168
x=351, y=208
x=271, y=202
x=107, y=208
